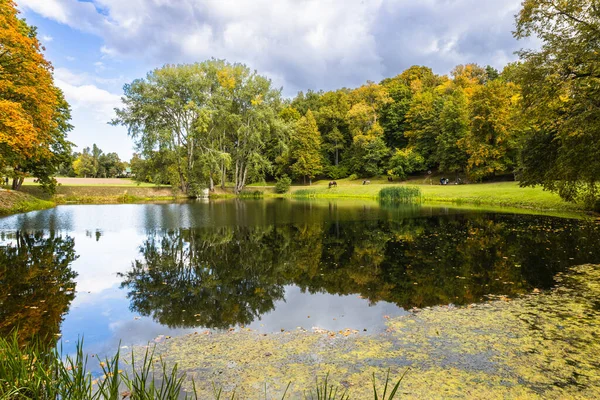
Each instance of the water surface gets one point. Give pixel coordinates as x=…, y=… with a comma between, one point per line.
x=132, y=273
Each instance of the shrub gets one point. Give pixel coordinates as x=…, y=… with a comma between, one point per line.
x=353, y=177
x=283, y=184
x=337, y=172
x=255, y=194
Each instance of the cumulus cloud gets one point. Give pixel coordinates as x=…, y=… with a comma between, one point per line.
x=299, y=43
x=93, y=107
x=47, y=38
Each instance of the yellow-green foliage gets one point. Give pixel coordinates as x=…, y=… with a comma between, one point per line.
x=541, y=346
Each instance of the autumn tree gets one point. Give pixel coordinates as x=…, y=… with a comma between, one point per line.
x=492, y=141
x=34, y=117
x=305, y=149
x=561, y=85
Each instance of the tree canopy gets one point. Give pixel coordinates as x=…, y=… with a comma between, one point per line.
x=34, y=116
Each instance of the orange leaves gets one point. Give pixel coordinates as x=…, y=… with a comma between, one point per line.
x=29, y=99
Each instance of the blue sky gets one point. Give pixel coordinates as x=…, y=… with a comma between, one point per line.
x=97, y=46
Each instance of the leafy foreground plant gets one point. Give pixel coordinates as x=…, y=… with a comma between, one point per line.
x=31, y=372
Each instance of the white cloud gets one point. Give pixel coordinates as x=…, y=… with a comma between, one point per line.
x=47, y=38
x=99, y=101
x=303, y=44
x=92, y=109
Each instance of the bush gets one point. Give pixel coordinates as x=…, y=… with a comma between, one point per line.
x=353, y=177
x=283, y=184
x=251, y=194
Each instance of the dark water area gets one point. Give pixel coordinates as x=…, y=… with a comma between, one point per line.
x=131, y=273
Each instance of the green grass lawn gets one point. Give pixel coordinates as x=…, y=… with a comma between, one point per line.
x=499, y=194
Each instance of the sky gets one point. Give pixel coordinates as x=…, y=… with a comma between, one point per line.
x=97, y=46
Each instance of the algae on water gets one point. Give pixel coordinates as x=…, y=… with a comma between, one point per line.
x=540, y=346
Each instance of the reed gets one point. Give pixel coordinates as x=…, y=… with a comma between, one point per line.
x=400, y=194
x=32, y=371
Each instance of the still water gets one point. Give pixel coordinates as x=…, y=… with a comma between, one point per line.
x=131, y=273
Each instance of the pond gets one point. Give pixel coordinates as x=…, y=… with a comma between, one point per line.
x=131, y=274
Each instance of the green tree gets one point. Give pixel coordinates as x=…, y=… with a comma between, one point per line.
x=561, y=86
x=331, y=119
x=85, y=165
x=423, y=119
x=404, y=162
x=454, y=127
x=305, y=148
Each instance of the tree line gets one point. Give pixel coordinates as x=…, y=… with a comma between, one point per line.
x=215, y=122
x=218, y=123
x=94, y=163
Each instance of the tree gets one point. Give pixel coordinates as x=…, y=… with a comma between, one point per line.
x=369, y=152
x=561, y=87
x=305, y=148
x=33, y=113
x=204, y=120
x=36, y=269
x=404, y=162
x=423, y=121
x=84, y=165
x=491, y=143
x=454, y=127
x=331, y=119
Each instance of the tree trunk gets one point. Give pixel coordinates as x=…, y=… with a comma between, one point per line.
x=337, y=155
x=211, y=183
x=223, y=175
x=17, y=183
x=309, y=181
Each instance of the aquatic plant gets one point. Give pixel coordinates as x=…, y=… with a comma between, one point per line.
x=32, y=371
x=400, y=194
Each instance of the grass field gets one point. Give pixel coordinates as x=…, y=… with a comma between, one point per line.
x=499, y=194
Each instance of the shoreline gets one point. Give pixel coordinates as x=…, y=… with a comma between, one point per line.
x=501, y=196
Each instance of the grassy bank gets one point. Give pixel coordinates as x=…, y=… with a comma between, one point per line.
x=12, y=202
x=500, y=194
x=102, y=194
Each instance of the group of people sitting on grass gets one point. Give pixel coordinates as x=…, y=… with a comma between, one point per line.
x=445, y=181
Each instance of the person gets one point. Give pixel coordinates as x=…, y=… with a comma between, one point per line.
x=6, y=181
x=442, y=180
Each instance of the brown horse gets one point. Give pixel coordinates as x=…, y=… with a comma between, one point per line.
x=332, y=184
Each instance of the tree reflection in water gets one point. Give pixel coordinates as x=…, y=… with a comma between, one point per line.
x=222, y=277
x=37, y=284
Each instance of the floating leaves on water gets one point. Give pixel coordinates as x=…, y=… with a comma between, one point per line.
x=542, y=346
